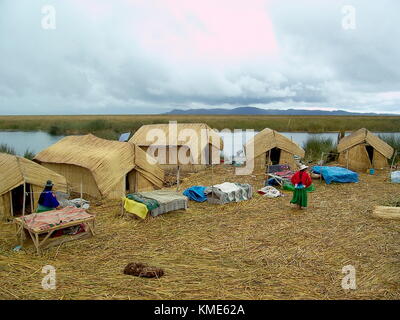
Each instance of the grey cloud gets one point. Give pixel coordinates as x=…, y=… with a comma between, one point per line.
x=95, y=65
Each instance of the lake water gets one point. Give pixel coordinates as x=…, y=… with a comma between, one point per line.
x=233, y=141
x=34, y=141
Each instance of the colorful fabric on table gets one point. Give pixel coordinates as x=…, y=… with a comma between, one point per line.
x=196, y=193
x=46, y=220
x=151, y=204
x=136, y=208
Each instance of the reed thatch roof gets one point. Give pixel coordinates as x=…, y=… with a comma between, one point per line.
x=108, y=161
x=365, y=136
x=182, y=137
x=16, y=170
x=268, y=139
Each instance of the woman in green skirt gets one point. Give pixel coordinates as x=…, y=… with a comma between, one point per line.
x=301, y=181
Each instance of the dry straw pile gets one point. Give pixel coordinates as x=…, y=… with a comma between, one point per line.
x=258, y=249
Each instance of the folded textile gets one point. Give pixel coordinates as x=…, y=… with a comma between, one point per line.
x=151, y=204
x=269, y=192
x=227, y=187
x=75, y=203
x=136, y=208
x=238, y=193
x=65, y=202
x=196, y=193
x=285, y=174
x=274, y=168
x=168, y=201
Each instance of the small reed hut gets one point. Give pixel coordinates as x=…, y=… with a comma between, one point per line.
x=363, y=150
x=102, y=168
x=192, y=146
x=270, y=148
x=21, y=182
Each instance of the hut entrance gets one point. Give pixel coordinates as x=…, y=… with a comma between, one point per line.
x=275, y=155
x=127, y=187
x=17, y=195
x=370, y=151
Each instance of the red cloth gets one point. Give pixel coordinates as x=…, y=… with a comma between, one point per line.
x=301, y=177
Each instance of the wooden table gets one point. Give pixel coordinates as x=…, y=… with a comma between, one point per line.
x=23, y=223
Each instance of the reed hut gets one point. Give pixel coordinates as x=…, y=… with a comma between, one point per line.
x=21, y=182
x=102, y=168
x=270, y=148
x=363, y=150
x=192, y=146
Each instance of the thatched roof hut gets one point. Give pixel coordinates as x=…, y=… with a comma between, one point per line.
x=17, y=175
x=363, y=150
x=197, y=142
x=102, y=167
x=271, y=147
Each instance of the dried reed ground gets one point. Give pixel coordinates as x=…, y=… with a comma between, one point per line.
x=258, y=249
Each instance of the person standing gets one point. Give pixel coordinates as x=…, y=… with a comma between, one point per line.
x=301, y=181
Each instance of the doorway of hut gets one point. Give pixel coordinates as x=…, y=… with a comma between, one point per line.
x=17, y=195
x=127, y=185
x=274, y=155
x=370, y=151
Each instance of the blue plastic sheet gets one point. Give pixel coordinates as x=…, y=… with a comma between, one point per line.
x=336, y=174
x=195, y=193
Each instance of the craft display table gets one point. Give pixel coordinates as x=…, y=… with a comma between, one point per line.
x=46, y=223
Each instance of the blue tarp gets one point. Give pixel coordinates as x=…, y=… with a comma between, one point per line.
x=196, y=193
x=336, y=174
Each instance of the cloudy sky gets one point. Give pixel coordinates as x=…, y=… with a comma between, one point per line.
x=151, y=56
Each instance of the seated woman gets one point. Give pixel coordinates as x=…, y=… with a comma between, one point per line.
x=47, y=200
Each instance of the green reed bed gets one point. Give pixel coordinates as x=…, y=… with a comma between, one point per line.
x=110, y=126
x=315, y=146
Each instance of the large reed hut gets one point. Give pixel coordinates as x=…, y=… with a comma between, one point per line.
x=19, y=177
x=270, y=148
x=192, y=146
x=102, y=168
x=363, y=150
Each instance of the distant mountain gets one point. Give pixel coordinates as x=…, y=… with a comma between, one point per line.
x=258, y=111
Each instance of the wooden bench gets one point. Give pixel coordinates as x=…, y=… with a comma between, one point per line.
x=28, y=223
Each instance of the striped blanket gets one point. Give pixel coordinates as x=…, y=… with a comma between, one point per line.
x=47, y=220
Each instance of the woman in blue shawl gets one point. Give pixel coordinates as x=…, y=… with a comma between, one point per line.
x=47, y=200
